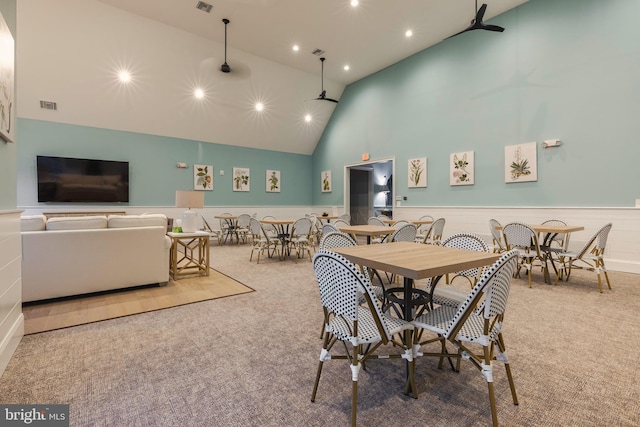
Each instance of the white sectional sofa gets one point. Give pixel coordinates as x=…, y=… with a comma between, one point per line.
x=67, y=256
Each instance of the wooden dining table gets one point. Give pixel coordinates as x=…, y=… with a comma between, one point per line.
x=367, y=230
x=282, y=225
x=415, y=261
x=232, y=226
x=416, y=222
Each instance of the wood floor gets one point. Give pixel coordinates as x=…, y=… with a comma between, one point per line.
x=77, y=311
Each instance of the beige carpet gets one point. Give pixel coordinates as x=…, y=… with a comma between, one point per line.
x=63, y=313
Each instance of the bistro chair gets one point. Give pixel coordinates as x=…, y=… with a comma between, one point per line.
x=270, y=229
x=476, y=333
x=227, y=227
x=496, y=234
x=346, y=217
x=378, y=223
x=328, y=228
x=423, y=229
x=524, y=239
x=340, y=223
x=217, y=234
x=447, y=293
x=242, y=227
x=590, y=257
x=554, y=243
x=336, y=239
x=300, y=240
x=362, y=328
x=261, y=241
x=434, y=234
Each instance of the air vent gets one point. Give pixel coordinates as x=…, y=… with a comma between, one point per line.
x=206, y=7
x=48, y=105
x=318, y=52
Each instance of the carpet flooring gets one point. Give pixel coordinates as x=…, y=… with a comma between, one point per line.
x=251, y=359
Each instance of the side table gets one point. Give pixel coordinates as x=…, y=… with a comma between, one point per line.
x=194, y=257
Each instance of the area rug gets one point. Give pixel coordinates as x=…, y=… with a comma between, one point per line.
x=67, y=312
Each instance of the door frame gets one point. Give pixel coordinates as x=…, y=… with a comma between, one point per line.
x=347, y=177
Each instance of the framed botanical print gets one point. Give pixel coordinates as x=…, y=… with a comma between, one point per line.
x=7, y=92
x=325, y=178
x=520, y=163
x=417, y=172
x=203, y=177
x=273, y=181
x=241, y=179
x=461, y=168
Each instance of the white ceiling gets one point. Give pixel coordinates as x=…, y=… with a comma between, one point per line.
x=368, y=37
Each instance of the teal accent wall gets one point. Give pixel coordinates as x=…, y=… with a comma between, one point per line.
x=565, y=69
x=154, y=177
x=8, y=150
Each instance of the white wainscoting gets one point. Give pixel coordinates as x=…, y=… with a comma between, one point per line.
x=11, y=318
x=623, y=246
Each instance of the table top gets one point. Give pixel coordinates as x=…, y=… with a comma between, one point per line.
x=543, y=228
x=328, y=217
x=412, y=221
x=367, y=230
x=416, y=260
x=277, y=221
x=187, y=235
x=226, y=217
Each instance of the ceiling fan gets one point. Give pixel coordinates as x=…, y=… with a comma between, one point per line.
x=323, y=94
x=477, y=24
x=225, y=68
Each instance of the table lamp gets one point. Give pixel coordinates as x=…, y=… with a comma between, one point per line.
x=190, y=200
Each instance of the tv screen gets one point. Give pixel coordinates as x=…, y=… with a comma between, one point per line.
x=63, y=179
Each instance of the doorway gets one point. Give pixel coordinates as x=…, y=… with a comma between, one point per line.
x=369, y=189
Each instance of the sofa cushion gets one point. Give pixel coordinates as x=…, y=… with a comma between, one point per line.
x=145, y=220
x=77, y=222
x=33, y=222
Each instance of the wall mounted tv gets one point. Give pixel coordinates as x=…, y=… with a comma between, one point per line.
x=69, y=180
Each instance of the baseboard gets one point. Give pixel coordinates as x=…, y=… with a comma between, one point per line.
x=622, y=265
x=10, y=342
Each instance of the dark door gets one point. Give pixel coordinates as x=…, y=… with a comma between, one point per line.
x=360, y=196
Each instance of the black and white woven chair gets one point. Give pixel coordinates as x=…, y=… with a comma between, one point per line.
x=449, y=293
x=590, y=257
x=363, y=328
x=328, y=228
x=524, y=239
x=300, y=240
x=433, y=236
x=423, y=229
x=376, y=221
x=261, y=241
x=476, y=332
x=496, y=235
x=336, y=239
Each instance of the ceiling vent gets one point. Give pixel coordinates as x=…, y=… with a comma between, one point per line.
x=205, y=7
x=318, y=52
x=48, y=105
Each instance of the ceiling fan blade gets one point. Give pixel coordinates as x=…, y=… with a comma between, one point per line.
x=480, y=12
x=493, y=28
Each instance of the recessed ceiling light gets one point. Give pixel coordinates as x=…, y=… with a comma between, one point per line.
x=346, y=68
x=198, y=93
x=259, y=106
x=354, y=3
x=307, y=118
x=408, y=33
x=124, y=76
x=296, y=48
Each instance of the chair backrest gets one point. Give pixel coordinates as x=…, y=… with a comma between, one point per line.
x=223, y=222
x=328, y=228
x=255, y=227
x=340, y=223
x=375, y=221
x=559, y=238
x=341, y=286
x=422, y=228
x=470, y=242
x=496, y=235
x=597, y=243
x=346, y=217
x=437, y=228
x=404, y=233
x=301, y=227
x=336, y=239
x=494, y=286
x=520, y=236
x=243, y=220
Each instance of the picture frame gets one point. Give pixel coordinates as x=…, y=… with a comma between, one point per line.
x=521, y=163
x=203, y=177
x=461, y=168
x=241, y=179
x=417, y=172
x=325, y=181
x=273, y=182
x=7, y=89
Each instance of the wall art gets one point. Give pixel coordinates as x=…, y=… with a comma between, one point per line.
x=461, y=171
x=325, y=178
x=520, y=163
x=241, y=179
x=273, y=181
x=203, y=177
x=417, y=172
x=7, y=93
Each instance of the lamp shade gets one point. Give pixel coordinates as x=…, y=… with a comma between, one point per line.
x=189, y=199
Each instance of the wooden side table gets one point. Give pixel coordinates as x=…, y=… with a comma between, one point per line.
x=194, y=257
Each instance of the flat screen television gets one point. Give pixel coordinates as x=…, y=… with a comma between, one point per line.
x=69, y=180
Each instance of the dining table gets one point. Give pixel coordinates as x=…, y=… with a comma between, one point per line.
x=367, y=230
x=416, y=222
x=231, y=228
x=415, y=261
x=282, y=225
